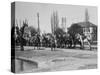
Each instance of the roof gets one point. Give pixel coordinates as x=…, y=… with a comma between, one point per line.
x=87, y=24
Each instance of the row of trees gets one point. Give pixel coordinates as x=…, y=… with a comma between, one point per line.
x=56, y=30
x=20, y=35
x=26, y=31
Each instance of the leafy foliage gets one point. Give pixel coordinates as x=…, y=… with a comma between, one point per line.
x=75, y=28
x=33, y=31
x=59, y=32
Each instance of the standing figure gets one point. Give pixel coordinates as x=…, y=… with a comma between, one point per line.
x=53, y=42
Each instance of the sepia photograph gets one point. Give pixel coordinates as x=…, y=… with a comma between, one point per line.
x=53, y=37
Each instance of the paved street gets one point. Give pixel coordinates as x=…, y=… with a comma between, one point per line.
x=60, y=59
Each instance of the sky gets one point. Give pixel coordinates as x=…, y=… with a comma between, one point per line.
x=73, y=14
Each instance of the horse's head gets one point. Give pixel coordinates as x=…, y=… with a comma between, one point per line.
x=78, y=36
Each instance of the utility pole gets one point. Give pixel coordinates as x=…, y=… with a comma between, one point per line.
x=64, y=23
x=38, y=24
x=52, y=24
x=86, y=15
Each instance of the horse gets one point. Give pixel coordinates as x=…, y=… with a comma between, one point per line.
x=81, y=39
x=35, y=41
x=45, y=41
x=87, y=39
x=67, y=40
x=77, y=39
x=38, y=41
x=53, y=42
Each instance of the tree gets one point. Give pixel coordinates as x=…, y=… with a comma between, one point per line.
x=22, y=40
x=30, y=31
x=75, y=28
x=33, y=31
x=59, y=31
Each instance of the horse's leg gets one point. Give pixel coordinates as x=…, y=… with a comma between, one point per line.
x=74, y=44
x=51, y=48
x=34, y=47
x=54, y=46
x=89, y=45
x=81, y=44
x=39, y=46
x=69, y=44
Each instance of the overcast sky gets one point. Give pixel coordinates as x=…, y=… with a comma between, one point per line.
x=73, y=14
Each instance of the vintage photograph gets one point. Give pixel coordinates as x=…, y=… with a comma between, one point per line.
x=53, y=37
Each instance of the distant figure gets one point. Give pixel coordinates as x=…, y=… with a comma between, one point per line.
x=53, y=42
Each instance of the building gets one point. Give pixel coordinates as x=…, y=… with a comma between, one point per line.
x=88, y=28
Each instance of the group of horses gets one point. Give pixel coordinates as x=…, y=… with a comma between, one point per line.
x=54, y=41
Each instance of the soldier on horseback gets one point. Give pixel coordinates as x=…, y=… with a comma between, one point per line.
x=82, y=39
